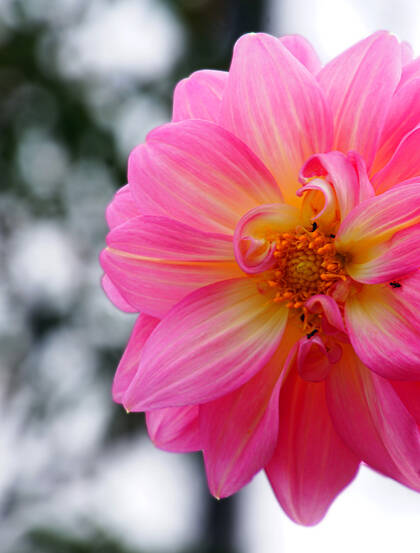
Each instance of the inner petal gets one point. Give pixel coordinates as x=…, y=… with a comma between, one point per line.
x=292, y=261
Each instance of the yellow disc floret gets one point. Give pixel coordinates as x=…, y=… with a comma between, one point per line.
x=306, y=264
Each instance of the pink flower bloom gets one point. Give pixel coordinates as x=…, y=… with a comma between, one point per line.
x=270, y=238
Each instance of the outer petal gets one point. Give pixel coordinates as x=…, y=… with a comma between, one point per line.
x=175, y=428
x=375, y=221
x=209, y=344
x=239, y=430
x=311, y=464
x=155, y=261
x=200, y=174
x=359, y=85
x=122, y=208
x=409, y=394
x=199, y=96
x=402, y=118
x=303, y=51
x=372, y=420
x=128, y=365
x=404, y=164
x=275, y=105
x=406, y=53
x=115, y=296
x=384, y=328
x=410, y=71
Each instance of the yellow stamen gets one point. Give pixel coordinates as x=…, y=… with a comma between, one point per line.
x=306, y=264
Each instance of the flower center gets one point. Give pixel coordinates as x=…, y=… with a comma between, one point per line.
x=306, y=264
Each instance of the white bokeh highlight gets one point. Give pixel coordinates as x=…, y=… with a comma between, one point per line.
x=334, y=25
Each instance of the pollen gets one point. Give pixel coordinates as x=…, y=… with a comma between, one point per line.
x=306, y=263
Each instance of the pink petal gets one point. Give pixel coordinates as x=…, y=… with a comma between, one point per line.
x=404, y=164
x=239, y=430
x=410, y=71
x=394, y=259
x=384, y=325
x=376, y=221
x=365, y=188
x=253, y=246
x=402, y=118
x=311, y=464
x=115, y=296
x=175, y=428
x=122, y=208
x=332, y=321
x=320, y=204
x=199, y=96
x=209, y=344
x=372, y=420
x=313, y=363
x=347, y=178
x=199, y=174
x=127, y=367
x=409, y=394
x=303, y=51
x=359, y=85
x=275, y=105
x=406, y=53
x=155, y=261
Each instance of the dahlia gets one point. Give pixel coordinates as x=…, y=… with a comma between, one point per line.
x=270, y=238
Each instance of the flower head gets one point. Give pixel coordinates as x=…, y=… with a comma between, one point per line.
x=270, y=237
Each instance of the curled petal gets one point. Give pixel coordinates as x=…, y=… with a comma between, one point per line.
x=313, y=361
x=403, y=165
x=359, y=85
x=311, y=464
x=128, y=365
x=200, y=174
x=373, y=421
x=175, y=428
x=199, y=96
x=275, y=106
x=320, y=204
x=122, y=208
x=339, y=172
x=303, y=51
x=341, y=179
x=332, y=321
x=254, y=238
x=239, y=430
x=384, y=325
x=366, y=189
x=209, y=344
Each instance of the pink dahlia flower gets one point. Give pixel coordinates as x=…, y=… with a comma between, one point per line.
x=270, y=238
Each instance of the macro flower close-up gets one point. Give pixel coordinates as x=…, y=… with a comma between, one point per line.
x=269, y=239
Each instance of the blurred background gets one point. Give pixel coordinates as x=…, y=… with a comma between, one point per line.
x=81, y=83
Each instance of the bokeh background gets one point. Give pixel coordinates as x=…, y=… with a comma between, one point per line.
x=81, y=83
